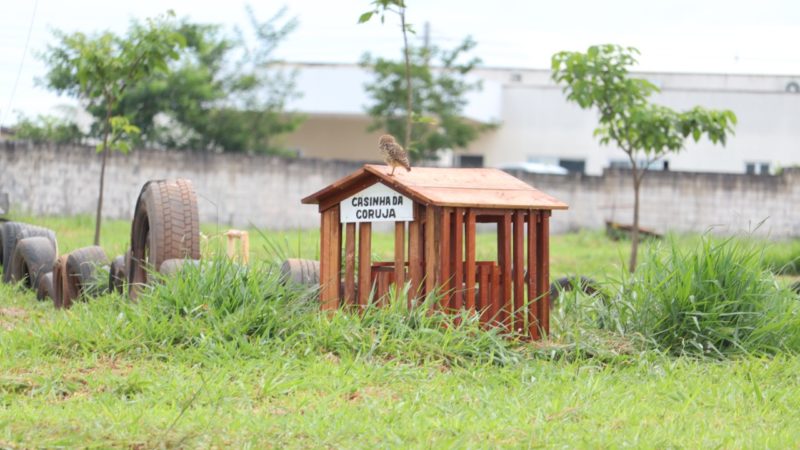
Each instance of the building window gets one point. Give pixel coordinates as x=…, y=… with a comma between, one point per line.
x=756, y=168
x=573, y=165
x=619, y=164
x=640, y=163
x=470, y=160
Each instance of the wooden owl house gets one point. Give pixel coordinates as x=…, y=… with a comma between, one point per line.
x=435, y=212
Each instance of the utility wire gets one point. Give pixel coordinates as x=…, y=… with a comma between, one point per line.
x=21, y=63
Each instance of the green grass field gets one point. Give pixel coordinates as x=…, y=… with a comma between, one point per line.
x=235, y=361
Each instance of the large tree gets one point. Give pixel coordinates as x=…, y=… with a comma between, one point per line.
x=225, y=93
x=439, y=84
x=98, y=69
x=646, y=132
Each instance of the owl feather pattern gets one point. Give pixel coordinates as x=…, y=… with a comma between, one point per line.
x=393, y=153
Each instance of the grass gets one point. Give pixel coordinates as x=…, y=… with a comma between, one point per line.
x=229, y=358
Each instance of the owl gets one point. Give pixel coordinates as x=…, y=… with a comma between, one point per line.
x=393, y=153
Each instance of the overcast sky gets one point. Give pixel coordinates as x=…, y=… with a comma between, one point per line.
x=720, y=36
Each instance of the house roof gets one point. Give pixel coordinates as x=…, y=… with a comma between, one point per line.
x=453, y=187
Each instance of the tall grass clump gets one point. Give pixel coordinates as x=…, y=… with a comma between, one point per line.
x=714, y=300
x=220, y=310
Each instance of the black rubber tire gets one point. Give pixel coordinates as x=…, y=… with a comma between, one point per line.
x=118, y=273
x=13, y=232
x=33, y=256
x=300, y=271
x=166, y=225
x=82, y=273
x=44, y=289
x=172, y=266
x=566, y=284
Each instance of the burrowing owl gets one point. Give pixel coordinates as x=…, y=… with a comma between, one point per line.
x=393, y=153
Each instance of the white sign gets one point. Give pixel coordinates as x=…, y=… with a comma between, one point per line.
x=377, y=203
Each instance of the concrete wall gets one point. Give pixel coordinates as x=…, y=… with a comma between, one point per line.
x=241, y=190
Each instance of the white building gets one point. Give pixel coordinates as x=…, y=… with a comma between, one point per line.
x=537, y=124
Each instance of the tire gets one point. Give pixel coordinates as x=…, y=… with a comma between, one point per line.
x=33, y=256
x=59, y=275
x=44, y=289
x=172, y=266
x=82, y=274
x=300, y=271
x=117, y=273
x=166, y=225
x=565, y=284
x=13, y=232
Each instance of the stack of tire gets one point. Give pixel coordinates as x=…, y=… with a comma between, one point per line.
x=29, y=255
x=165, y=234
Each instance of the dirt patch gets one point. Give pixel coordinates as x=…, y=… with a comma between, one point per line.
x=370, y=392
x=9, y=316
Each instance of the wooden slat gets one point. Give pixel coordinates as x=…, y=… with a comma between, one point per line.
x=544, y=244
x=364, y=263
x=496, y=306
x=431, y=251
x=484, y=304
x=470, y=261
x=458, y=258
x=533, y=274
x=399, y=256
x=350, y=264
x=382, y=289
x=445, y=276
x=519, y=271
x=415, y=252
x=505, y=263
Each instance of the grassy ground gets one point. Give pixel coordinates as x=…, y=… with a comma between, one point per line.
x=92, y=377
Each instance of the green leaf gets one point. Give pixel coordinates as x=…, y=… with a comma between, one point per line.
x=366, y=16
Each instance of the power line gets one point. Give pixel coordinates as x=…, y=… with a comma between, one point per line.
x=21, y=63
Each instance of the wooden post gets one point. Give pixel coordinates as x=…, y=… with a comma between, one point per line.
x=399, y=257
x=330, y=258
x=519, y=271
x=415, y=252
x=533, y=275
x=470, y=260
x=496, y=306
x=544, y=272
x=504, y=261
x=431, y=255
x=458, y=259
x=364, y=263
x=350, y=264
x=445, y=277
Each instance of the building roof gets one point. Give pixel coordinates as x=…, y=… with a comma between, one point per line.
x=453, y=187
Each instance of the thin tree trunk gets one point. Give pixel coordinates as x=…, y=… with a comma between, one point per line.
x=637, y=183
x=98, y=217
x=409, y=111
